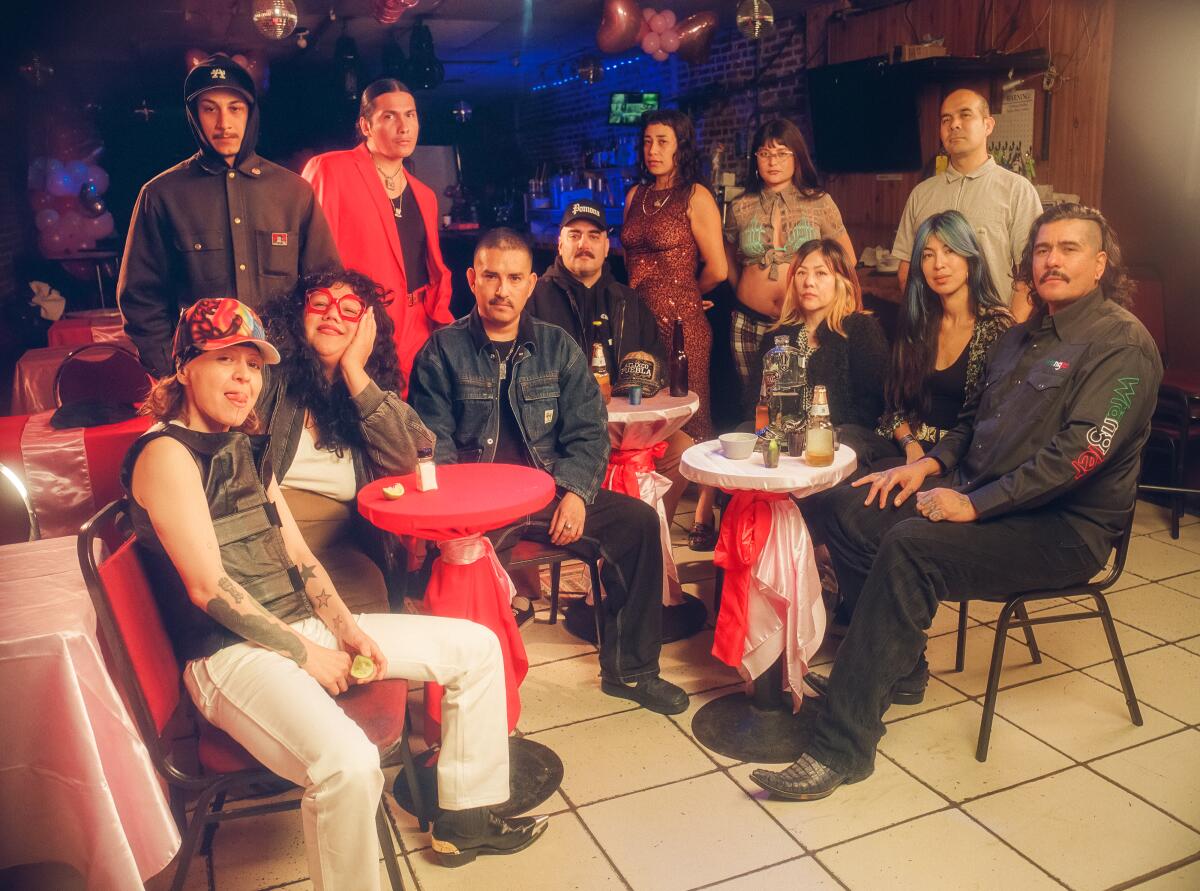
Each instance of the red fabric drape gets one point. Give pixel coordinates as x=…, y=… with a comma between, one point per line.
x=468, y=582
x=745, y=526
x=625, y=464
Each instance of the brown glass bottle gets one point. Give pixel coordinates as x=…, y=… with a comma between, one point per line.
x=679, y=361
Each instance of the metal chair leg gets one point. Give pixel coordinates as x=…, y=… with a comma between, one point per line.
x=555, y=578
x=993, y=682
x=410, y=774
x=387, y=847
x=960, y=648
x=1022, y=616
x=597, y=601
x=1114, y=646
x=192, y=835
x=211, y=829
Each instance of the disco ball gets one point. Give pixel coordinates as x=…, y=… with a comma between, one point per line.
x=755, y=19
x=274, y=19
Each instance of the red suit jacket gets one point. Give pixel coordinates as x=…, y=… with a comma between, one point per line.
x=364, y=228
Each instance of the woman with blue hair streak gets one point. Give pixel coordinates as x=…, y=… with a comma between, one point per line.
x=951, y=315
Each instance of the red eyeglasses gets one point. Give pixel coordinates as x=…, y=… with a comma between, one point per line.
x=349, y=306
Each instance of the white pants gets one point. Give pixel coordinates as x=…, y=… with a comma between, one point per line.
x=286, y=720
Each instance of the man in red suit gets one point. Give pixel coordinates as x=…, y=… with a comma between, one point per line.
x=385, y=220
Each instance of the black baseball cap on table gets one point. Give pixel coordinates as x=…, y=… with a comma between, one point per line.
x=591, y=211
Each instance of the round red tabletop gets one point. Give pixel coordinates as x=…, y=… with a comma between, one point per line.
x=470, y=498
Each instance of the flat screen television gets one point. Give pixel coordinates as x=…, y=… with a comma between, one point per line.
x=864, y=117
x=627, y=108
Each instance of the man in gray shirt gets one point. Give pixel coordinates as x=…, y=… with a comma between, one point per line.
x=1000, y=205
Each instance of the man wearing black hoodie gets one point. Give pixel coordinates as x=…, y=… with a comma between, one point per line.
x=223, y=223
x=579, y=290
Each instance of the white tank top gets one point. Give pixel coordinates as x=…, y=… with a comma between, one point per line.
x=321, y=471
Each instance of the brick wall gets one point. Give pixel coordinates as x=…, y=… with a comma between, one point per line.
x=742, y=84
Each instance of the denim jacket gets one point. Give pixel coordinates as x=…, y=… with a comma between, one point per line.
x=455, y=388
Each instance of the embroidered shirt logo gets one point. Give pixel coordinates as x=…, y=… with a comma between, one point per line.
x=217, y=73
x=1100, y=437
x=1060, y=365
x=278, y=239
x=549, y=416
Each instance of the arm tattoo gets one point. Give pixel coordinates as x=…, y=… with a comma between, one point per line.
x=259, y=629
x=307, y=573
x=322, y=599
x=234, y=591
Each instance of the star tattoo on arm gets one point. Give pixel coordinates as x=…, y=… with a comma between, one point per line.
x=321, y=600
x=307, y=573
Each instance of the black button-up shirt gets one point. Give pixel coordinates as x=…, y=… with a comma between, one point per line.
x=1061, y=419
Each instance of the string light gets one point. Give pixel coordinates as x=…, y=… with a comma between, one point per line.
x=611, y=66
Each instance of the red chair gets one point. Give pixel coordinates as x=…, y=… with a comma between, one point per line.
x=1176, y=419
x=139, y=654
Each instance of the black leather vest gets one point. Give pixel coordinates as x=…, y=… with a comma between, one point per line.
x=235, y=472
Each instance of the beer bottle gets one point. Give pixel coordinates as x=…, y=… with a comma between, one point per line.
x=679, y=361
x=600, y=366
x=818, y=443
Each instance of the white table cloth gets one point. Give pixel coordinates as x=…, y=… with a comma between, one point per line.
x=75, y=778
x=779, y=611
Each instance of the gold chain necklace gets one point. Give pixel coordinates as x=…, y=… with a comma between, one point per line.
x=659, y=203
x=389, y=179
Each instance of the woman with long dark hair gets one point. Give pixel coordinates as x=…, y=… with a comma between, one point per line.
x=672, y=224
x=951, y=316
x=336, y=422
x=783, y=208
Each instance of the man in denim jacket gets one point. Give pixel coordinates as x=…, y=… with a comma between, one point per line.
x=501, y=386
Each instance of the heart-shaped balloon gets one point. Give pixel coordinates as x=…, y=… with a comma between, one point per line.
x=695, y=36
x=620, y=25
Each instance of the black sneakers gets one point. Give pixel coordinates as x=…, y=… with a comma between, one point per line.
x=461, y=836
x=652, y=693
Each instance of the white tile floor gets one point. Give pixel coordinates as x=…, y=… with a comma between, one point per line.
x=1072, y=794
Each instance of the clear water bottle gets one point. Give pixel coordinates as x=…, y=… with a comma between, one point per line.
x=785, y=376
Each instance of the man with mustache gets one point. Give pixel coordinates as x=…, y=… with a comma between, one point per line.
x=501, y=386
x=1000, y=205
x=384, y=219
x=579, y=291
x=1030, y=490
x=223, y=223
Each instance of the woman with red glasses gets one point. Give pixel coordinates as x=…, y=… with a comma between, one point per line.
x=336, y=422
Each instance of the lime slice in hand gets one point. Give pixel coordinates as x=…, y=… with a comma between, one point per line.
x=393, y=492
x=362, y=668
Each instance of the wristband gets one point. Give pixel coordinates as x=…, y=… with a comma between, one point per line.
x=907, y=440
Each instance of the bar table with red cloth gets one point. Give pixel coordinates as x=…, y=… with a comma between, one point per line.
x=89, y=326
x=76, y=780
x=771, y=601
x=638, y=436
x=71, y=473
x=466, y=580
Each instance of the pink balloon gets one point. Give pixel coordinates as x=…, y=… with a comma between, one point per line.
x=72, y=225
x=650, y=43
x=648, y=13
x=52, y=243
x=658, y=24
x=99, y=227
x=661, y=55
x=669, y=40
x=97, y=177
x=40, y=200
x=670, y=17
x=83, y=243
x=620, y=27
x=46, y=218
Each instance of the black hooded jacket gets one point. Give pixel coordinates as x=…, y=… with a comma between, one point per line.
x=204, y=228
x=561, y=299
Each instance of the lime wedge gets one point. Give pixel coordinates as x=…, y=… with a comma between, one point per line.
x=393, y=492
x=362, y=668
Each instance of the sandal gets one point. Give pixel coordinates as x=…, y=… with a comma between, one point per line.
x=702, y=537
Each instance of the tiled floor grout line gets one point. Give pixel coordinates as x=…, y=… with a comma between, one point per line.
x=743, y=875
x=573, y=809
x=1089, y=765
x=1156, y=873
x=1013, y=848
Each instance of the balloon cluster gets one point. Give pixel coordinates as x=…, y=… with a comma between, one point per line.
x=388, y=12
x=625, y=25
x=66, y=193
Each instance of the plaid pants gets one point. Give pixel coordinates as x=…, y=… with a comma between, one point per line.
x=746, y=332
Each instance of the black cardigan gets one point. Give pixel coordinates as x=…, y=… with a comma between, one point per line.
x=852, y=367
